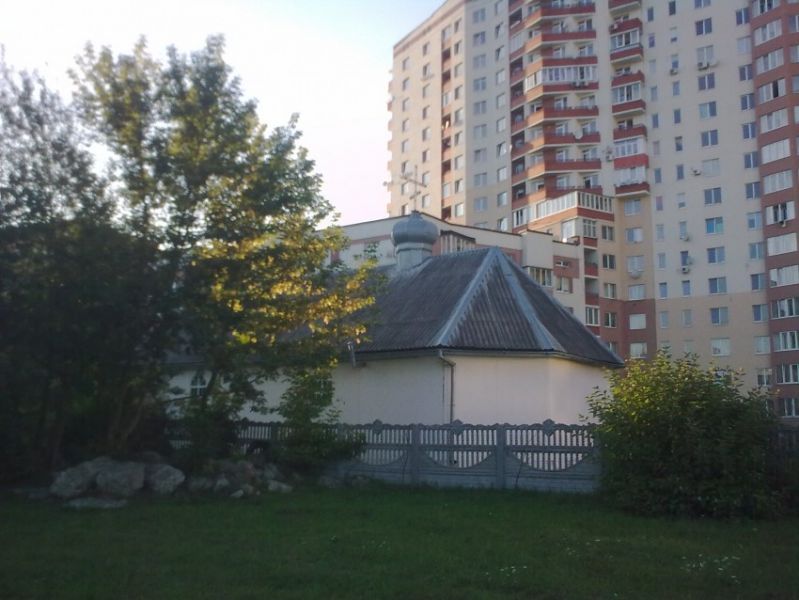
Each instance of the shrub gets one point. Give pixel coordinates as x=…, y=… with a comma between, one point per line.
x=311, y=441
x=211, y=432
x=682, y=440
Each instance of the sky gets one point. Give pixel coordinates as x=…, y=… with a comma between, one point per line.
x=327, y=60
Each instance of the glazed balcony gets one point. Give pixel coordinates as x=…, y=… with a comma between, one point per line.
x=625, y=25
x=549, y=113
x=627, y=54
x=552, y=165
x=631, y=189
x=630, y=107
x=628, y=78
x=623, y=133
x=554, y=138
x=623, y=5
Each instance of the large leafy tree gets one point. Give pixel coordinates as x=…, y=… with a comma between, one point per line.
x=204, y=229
x=235, y=209
x=81, y=321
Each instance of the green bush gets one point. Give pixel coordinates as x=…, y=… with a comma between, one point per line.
x=311, y=441
x=212, y=433
x=682, y=440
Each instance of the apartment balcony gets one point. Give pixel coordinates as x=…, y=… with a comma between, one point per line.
x=629, y=108
x=549, y=113
x=548, y=89
x=623, y=5
x=544, y=37
x=548, y=11
x=632, y=189
x=623, y=133
x=554, y=138
x=628, y=78
x=631, y=53
x=625, y=25
x=552, y=165
x=592, y=300
x=591, y=270
x=632, y=161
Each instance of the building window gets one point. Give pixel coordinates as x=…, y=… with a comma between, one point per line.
x=632, y=206
x=749, y=131
x=757, y=281
x=197, y=385
x=756, y=250
x=480, y=179
x=712, y=196
x=785, y=308
x=709, y=138
x=747, y=101
x=759, y=313
x=608, y=261
x=742, y=16
x=720, y=315
x=715, y=255
x=754, y=220
x=610, y=320
x=714, y=225
x=502, y=199
x=636, y=292
x=706, y=82
x=592, y=315
x=687, y=317
x=784, y=276
x=685, y=285
x=638, y=350
x=717, y=285
x=720, y=347
x=703, y=26
x=707, y=110
x=637, y=321
x=634, y=235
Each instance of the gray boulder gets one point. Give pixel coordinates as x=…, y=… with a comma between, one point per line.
x=237, y=494
x=277, y=486
x=270, y=471
x=162, y=478
x=329, y=482
x=198, y=484
x=121, y=479
x=73, y=482
x=80, y=503
x=222, y=484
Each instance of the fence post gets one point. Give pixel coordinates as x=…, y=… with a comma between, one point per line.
x=416, y=452
x=500, y=456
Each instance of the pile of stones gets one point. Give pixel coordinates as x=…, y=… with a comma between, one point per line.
x=107, y=483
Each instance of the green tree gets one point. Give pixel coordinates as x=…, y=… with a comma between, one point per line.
x=81, y=323
x=236, y=210
x=679, y=439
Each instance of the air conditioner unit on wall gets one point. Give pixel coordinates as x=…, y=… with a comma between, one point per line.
x=685, y=237
x=685, y=269
x=702, y=65
x=674, y=71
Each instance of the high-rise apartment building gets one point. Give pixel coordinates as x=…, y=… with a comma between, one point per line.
x=660, y=136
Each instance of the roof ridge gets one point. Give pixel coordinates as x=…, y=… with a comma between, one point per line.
x=528, y=310
x=466, y=298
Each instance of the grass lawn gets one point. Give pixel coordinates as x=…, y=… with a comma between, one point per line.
x=387, y=543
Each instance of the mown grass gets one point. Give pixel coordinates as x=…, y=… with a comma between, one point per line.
x=388, y=543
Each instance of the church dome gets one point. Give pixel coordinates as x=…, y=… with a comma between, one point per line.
x=414, y=230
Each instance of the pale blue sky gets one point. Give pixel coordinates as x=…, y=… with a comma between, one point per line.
x=327, y=60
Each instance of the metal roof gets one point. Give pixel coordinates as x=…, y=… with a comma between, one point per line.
x=476, y=301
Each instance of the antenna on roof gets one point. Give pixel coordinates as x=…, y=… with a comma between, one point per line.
x=412, y=178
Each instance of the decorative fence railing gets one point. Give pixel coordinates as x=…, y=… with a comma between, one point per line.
x=547, y=456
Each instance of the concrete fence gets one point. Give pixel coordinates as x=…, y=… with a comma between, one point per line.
x=545, y=456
